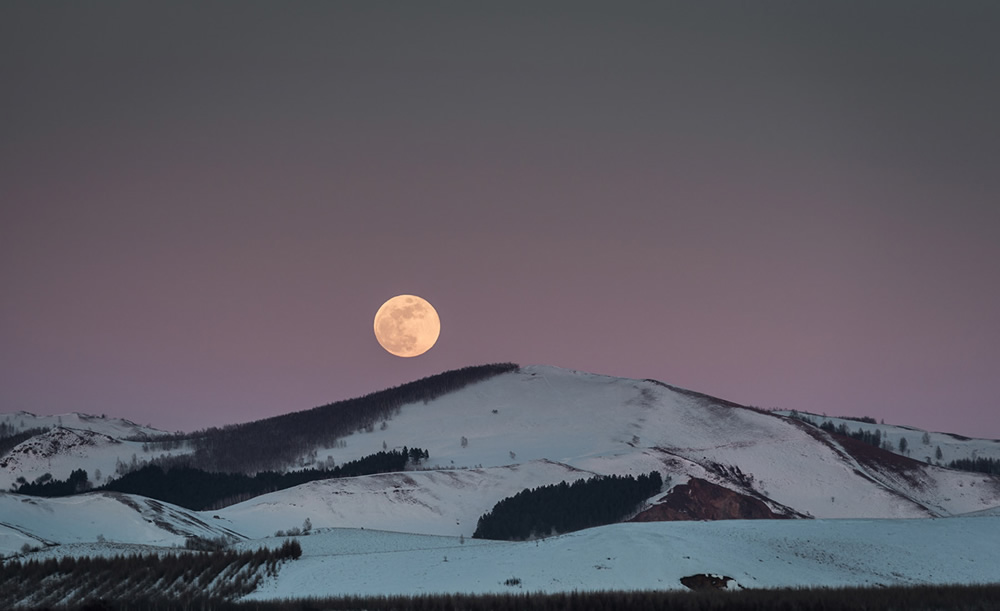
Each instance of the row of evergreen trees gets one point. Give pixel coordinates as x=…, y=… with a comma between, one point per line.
x=46, y=486
x=987, y=465
x=562, y=508
x=873, y=438
x=181, y=576
x=275, y=443
x=198, y=489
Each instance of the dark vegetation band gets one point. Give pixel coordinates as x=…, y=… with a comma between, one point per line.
x=913, y=598
x=563, y=508
x=173, y=578
x=200, y=490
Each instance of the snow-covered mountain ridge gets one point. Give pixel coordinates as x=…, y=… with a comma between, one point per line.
x=532, y=427
x=605, y=425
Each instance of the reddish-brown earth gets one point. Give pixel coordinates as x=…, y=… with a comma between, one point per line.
x=880, y=460
x=702, y=500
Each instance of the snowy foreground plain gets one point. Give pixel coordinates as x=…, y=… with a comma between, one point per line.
x=649, y=556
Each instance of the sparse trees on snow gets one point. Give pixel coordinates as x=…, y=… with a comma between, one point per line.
x=275, y=443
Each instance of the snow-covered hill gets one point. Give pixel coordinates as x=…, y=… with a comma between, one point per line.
x=542, y=425
x=97, y=444
x=756, y=553
x=113, y=427
x=99, y=517
x=605, y=425
x=60, y=451
x=601, y=425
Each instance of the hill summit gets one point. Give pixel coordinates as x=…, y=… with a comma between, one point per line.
x=440, y=454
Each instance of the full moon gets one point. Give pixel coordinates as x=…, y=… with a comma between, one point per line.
x=407, y=325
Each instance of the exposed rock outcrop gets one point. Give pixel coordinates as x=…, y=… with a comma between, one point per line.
x=702, y=500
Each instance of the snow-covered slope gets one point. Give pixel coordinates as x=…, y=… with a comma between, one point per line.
x=87, y=518
x=650, y=556
x=447, y=502
x=606, y=425
x=585, y=422
x=921, y=445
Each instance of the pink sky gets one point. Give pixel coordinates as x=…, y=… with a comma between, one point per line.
x=202, y=208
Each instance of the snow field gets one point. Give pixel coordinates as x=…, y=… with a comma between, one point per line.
x=758, y=553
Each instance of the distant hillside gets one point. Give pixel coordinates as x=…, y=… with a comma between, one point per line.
x=32, y=446
x=18, y=422
x=277, y=443
x=491, y=433
x=197, y=489
x=944, y=449
x=495, y=430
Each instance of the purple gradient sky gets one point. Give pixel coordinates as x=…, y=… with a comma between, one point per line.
x=794, y=206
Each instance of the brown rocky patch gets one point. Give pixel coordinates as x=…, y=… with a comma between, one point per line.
x=701, y=581
x=880, y=460
x=702, y=500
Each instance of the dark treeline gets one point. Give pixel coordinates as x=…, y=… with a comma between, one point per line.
x=873, y=438
x=917, y=598
x=563, y=507
x=979, y=465
x=46, y=486
x=866, y=419
x=276, y=443
x=199, y=490
x=175, y=578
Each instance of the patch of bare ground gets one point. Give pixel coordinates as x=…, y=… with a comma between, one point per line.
x=883, y=460
x=869, y=456
x=702, y=500
x=701, y=581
